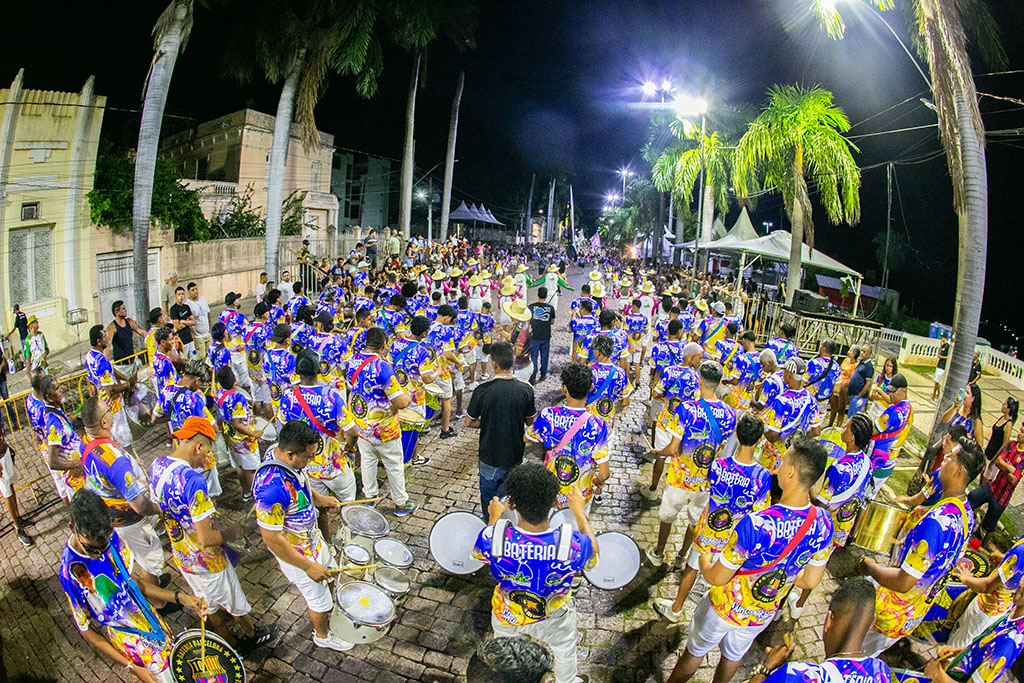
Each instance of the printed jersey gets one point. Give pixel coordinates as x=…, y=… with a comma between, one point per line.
x=753, y=595
x=666, y=353
x=784, y=350
x=711, y=330
x=584, y=329
x=726, y=352
x=115, y=476
x=184, y=499
x=327, y=405
x=410, y=360
x=218, y=356
x=532, y=583
x=391, y=321
x=372, y=385
x=610, y=384
x=69, y=445
x=675, y=384
x=702, y=427
x=101, y=375
x=987, y=658
x=575, y=305
x=279, y=370
x=98, y=589
x=928, y=553
x=637, y=325
x=277, y=314
x=621, y=341
x=820, y=367
x=661, y=330
x=163, y=371
x=1011, y=571
x=892, y=428
x=294, y=304
x=862, y=670
x=180, y=404
x=465, y=320
x=485, y=325
x=234, y=328
x=789, y=415
x=302, y=333
x=233, y=405
x=576, y=463
x=363, y=302
x=255, y=339
x=736, y=489
x=284, y=503
x=746, y=369
x=35, y=409
x=842, y=492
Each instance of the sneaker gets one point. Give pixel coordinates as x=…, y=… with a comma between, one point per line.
x=533, y=380
x=263, y=635
x=450, y=434
x=25, y=539
x=655, y=558
x=247, y=497
x=679, y=562
x=597, y=499
x=649, y=493
x=542, y=378
x=332, y=642
x=663, y=606
x=794, y=610
x=165, y=579
x=461, y=415
x=419, y=461
x=407, y=508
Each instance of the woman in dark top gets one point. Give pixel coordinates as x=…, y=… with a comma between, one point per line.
x=1002, y=430
x=966, y=411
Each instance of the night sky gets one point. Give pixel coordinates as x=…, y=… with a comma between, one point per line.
x=547, y=89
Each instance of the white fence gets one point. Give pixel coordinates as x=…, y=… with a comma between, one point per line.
x=919, y=350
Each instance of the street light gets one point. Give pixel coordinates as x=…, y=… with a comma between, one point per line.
x=611, y=197
x=686, y=106
x=649, y=88
x=625, y=173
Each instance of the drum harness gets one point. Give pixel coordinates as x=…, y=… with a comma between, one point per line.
x=499, y=539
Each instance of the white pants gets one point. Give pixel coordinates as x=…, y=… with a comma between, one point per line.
x=970, y=625
x=222, y=590
x=708, y=630
x=120, y=430
x=7, y=473
x=558, y=632
x=241, y=368
x=342, y=485
x=144, y=544
x=212, y=478
x=524, y=374
x=390, y=453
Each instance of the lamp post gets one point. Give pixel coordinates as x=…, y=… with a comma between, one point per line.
x=429, y=197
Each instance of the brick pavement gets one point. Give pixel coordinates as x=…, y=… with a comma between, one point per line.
x=442, y=621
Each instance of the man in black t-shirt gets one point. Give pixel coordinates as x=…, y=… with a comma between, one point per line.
x=543, y=314
x=501, y=408
x=940, y=364
x=183, y=321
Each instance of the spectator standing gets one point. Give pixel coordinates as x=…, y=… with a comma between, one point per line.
x=120, y=331
x=394, y=245
x=183, y=322
x=20, y=324
x=975, y=369
x=940, y=364
x=261, y=287
x=371, y=248
x=542, y=315
x=201, y=312
x=37, y=351
x=501, y=409
x=997, y=493
x=860, y=382
x=167, y=292
x=285, y=288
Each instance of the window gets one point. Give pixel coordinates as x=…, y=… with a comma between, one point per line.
x=30, y=212
x=31, y=265
x=314, y=176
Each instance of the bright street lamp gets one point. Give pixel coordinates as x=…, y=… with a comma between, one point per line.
x=649, y=88
x=611, y=197
x=625, y=173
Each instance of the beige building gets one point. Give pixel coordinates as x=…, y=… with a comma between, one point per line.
x=223, y=156
x=48, y=147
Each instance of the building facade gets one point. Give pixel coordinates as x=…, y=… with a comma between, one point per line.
x=363, y=185
x=48, y=148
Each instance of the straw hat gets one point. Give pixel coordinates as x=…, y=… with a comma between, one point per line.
x=517, y=310
x=508, y=280
x=702, y=305
x=552, y=268
x=438, y=275
x=674, y=290
x=521, y=268
x=474, y=280
x=455, y=272
x=485, y=274
x=595, y=276
x=647, y=287
x=625, y=283
x=472, y=262
x=597, y=290
x=508, y=290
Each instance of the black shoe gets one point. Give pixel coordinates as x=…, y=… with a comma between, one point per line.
x=169, y=609
x=450, y=434
x=419, y=461
x=25, y=539
x=542, y=378
x=165, y=579
x=262, y=636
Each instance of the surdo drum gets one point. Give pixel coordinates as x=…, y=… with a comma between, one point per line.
x=191, y=661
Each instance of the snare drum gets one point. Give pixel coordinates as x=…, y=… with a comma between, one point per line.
x=221, y=663
x=353, y=557
x=265, y=427
x=452, y=539
x=141, y=406
x=618, y=561
x=394, y=582
x=362, y=525
x=878, y=527
x=392, y=553
x=412, y=423
x=563, y=516
x=363, y=612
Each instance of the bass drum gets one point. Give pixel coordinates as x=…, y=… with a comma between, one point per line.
x=452, y=539
x=192, y=661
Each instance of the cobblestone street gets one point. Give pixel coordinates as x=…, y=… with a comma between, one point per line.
x=437, y=628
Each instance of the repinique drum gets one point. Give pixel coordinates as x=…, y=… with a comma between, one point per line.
x=976, y=563
x=563, y=516
x=354, y=557
x=221, y=663
x=392, y=553
x=267, y=428
x=878, y=527
x=394, y=582
x=943, y=613
x=452, y=539
x=412, y=423
x=362, y=525
x=363, y=612
x=618, y=561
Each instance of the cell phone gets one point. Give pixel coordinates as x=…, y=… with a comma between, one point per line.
x=960, y=395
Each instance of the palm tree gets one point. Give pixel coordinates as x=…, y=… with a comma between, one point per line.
x=449, y=161
x=795, y=137
x=941, y=38
x=170, y=35
x=409, y=153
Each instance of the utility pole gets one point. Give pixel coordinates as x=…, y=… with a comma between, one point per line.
x=528, y=232
x=430, y=209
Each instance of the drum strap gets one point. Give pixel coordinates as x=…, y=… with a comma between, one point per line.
x=157, y=632
x=93, y=445
x=716, y=430
x=310, y=416
x=359, y=370
x=728, y=359
x=500, y=534
x=498, y=538
x=801, y=532
x=224, y=397
x=894, y=432
x=564, y=542
x=253, y=331
x=603, y=389
x=581, y=420
x=705, y=336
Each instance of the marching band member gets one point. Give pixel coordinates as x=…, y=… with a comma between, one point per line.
x=180, y=401
x=822, y=374
x=443, y=338
x=676, y=383
x=782, y=344
x=583, y=327
x=235, y=417
x=787, y=414
x=109, y=383
x=995, y=596
x=984, y=660
x=414, y=366
x=610, y=390
x=279, y=363
x=638, y=326
x=234, y=325
x=892, y=428
x=256, y=335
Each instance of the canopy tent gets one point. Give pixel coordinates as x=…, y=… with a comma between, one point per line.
x=462, y=213
x=491, y=218
x=718, y=230
x=473, y=213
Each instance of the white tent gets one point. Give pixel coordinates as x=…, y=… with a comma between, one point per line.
x=741, y=231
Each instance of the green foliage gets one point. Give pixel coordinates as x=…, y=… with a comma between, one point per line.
x=242, y=220
x=900, y=320
x=636, y=215
x=292, y=214
x=174, y=205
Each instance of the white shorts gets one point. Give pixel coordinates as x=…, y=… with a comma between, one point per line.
x=240, y=367
x=939, y=372
x=469, y=357
x=707, y=630
x=63, y=490
x=524, y=374
x=221, y=590
x=634, y=356
x=318, y=596
x=246, y=459
x=144, y=544
x=675, y=501
x=342, y=485
x=441, y=388
x=480, y=355
x=7, y=474
x=458, y=381
x=260, y=390
x=662, y=438
x=971, y=625
x=693, y=559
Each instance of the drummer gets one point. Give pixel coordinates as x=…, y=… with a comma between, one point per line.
x=279, y=363
x=995, y=596
x=355, y=338
x=822, y=374
x=442, y=340
x=893, y=428
x=323, y=408
x=96, y=573
x=196, y=544
x=330, y=350
x=575, y=439
x=543, y=609
x=792, y=411
x=767, y=552
x=178, y=402
x=927, y=555
x=985, y=659
x=583, y=327
x=414, y=367
x=850, y=615
x=931, y=492
x=235, y=416
x=255, y=339
x=286, y=515
x=610, y=390
x=110, y=384
x=746, y=368
x=163, y=365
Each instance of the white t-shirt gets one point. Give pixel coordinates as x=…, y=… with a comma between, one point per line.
x=201, y=312
x=286, y=292
x=261, y=289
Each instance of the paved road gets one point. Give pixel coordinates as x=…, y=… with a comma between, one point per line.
x=438, y=627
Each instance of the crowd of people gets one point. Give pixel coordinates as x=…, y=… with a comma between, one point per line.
x=765, y=457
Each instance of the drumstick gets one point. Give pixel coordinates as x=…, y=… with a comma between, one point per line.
x=364, y=500
x=202, y=639
x=352, y=569
x=646, y=441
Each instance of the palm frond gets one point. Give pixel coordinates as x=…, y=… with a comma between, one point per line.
x=166, y=19
x=983, y=32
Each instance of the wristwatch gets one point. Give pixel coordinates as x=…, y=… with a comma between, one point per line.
x=760, y=670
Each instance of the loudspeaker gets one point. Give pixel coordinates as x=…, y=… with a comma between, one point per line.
x=809, y=302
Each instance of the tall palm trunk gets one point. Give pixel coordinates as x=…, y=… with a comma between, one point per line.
x=549, y=224
x=707, y=222
x=528, y=236
x=800, y=201
x=172, y=29
x=278, y=157
x=449, y=161
x=405, y=203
